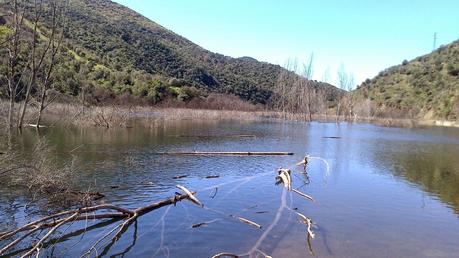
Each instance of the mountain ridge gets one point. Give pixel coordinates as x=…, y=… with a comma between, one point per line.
x=115, y=39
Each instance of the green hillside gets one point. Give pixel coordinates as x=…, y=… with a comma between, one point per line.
x=424, y=88
x=112, y=50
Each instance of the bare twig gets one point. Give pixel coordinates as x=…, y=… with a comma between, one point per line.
x=249, y=222
x=50, y=232
x=191, y=197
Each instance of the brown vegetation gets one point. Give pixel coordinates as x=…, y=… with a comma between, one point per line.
x=42, y=175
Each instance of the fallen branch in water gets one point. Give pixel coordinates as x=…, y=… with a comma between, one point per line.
x=190, y=195
x=180, y=176
x=232, y=153
x=310, y=234
x=213, y=193
x=219, y=255
x=54, y=221
x=197, y=225
x=304, y=195
x=304, y=163
x=246, y=221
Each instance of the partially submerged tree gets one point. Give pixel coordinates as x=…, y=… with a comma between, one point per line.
x=345, y=82
x=31, y=53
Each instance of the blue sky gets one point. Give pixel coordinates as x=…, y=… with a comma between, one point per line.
x=366, y=36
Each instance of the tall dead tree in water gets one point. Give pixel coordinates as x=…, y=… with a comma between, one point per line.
x=55, y=40
x=31, y=51
x=345, y=103
x=350, y=97
x=280, y=91
x=342, y=84
x=309, y=87
x=12, y=41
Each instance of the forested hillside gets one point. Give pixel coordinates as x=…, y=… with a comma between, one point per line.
x=110, y=50
x=426, y=87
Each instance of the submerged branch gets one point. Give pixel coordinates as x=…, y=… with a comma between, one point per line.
x=54, y=221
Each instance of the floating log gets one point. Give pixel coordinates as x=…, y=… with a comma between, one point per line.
x=219, y=255
x=219, y=136
x=36, y=126
x=261, y=212
x=219, y=153
x=249, y=222
x=197, y=225
x=180, y=176
x=303, y=195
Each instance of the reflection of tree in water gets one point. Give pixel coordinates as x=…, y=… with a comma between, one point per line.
x=436, y=171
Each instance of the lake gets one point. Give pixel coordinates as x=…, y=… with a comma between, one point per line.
x=385, y=192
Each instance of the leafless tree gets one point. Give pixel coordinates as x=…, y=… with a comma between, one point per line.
x=308, y=90
x=13, y=42
x=344, y=80
x=31, y=53
x=55, y=40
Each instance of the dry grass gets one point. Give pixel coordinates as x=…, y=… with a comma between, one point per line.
x=115, y=116
x=42, y=175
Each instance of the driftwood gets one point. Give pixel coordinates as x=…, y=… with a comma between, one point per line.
x=219, y=255
x=36, y=126
x=180, y=176
x=54, y=221
x=331, y=137
x=213, y=193
x=284, y=178
x=249, y=222
x=304, y=162
x=310, y=234
x=219, y=136
x=303, y=195
x=220, y=153
x=191, y=196
x=197, y=225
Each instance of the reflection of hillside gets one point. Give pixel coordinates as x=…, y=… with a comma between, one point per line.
x=437, y=171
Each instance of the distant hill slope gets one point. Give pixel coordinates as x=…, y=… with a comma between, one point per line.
x=426, y=87
x=112, y=47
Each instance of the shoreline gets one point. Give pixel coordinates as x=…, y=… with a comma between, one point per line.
x=70, y=114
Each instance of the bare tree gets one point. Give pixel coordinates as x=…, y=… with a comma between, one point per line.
x=13, y=41
x=345, y=82
x=55, y=41
x=309, y=87
x=36, y=58
x=342, y=83
x=350, y=97
x=31, y=53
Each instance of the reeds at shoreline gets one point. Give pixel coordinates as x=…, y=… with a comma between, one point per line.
x=117, y=116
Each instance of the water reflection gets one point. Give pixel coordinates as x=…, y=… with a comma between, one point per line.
x=384, y=184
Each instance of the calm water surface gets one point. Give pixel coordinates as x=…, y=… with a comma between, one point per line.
x=389, y=192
